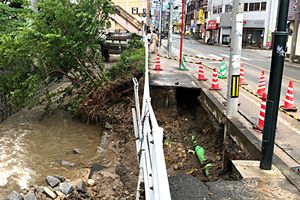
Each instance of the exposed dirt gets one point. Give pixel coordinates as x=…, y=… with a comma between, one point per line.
x=182, y=117
x=122, y=182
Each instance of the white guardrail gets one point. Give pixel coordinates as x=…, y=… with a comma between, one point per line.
x=153, y=178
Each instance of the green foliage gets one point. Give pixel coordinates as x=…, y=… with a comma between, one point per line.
x=132, y=59
x=135, y=42
x=11, y=17
x=57, y=42
x=16, y=3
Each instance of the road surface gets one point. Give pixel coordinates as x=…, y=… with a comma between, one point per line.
x=254, y=61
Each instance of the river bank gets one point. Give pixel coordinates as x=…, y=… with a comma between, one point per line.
x=110, y=172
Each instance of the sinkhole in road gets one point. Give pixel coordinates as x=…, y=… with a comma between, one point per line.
x=181, y=114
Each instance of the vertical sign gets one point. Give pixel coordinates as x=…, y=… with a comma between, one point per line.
x=135, y=10
x=201, y=17
x=235, y=80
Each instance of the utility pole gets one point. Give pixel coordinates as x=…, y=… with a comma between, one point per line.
x=170, y=42
x=235, y=58
x=185, y=16
x=160, y=21
x=181, y=33
x=277, y=64
x=295, y=33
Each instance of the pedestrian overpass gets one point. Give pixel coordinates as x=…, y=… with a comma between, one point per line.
x=127, y=21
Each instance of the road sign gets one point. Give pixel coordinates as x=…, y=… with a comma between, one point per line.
x=135, y=10
x=235, y=79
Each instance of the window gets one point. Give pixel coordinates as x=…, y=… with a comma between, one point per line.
x=263, y=6
x=251, y=6
x=228, y=8
x=220, y=9
x=257, y=6
x=246, y=7
x=217, y=9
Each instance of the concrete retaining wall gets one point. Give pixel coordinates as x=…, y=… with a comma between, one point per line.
x=248, y=143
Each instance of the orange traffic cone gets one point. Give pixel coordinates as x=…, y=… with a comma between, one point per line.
x=262, y=84
x=261, y=120
x=201, y=76
x=157, y=63
x=215, y=81
x=289, y=99
x=242, y=75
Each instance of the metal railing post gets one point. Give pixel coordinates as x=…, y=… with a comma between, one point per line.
x=152, y=164
x=163, y=183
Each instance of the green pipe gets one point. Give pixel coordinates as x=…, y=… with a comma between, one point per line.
x=201, y=156
x=199, y=150
x=207, y=168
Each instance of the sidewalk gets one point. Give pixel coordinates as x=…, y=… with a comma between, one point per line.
x=287, y=140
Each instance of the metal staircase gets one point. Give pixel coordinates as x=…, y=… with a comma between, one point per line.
x=127, y=21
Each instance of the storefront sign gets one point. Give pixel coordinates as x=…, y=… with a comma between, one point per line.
x=254, y=24
x=201, y=16
x=212, y=25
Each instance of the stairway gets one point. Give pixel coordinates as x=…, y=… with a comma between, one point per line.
x=127, y=21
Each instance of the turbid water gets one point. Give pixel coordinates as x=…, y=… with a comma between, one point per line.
x=32, y=147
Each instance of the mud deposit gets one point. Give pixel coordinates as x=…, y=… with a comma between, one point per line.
x=178, y=111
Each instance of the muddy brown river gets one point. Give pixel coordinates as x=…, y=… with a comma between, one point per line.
x=32, y=147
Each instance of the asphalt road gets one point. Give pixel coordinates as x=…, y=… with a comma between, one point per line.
x=254, y=61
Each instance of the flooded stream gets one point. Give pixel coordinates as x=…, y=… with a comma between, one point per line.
x=32, y=147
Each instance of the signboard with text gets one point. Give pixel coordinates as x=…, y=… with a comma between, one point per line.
x=201, y=16
x=254, y=24
x=212, y=25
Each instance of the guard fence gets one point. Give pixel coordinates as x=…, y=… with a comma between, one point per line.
x=153, y=179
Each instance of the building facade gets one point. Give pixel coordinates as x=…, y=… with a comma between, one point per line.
x=291, y=18
x=259, y=21
x=138, y=10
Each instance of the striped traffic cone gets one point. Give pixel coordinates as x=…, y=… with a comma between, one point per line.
x=183, y=66
x=262, y=84
x=261, y=120
x=215, y=81
x=289, y=99
x=242, y=75
x=223, y=73
x=201, y=76
x=157, y=63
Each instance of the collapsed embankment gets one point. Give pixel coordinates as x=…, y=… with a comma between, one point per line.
x=182, y=114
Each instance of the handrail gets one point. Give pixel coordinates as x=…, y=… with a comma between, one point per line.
x=149, y=144
x=130, y=18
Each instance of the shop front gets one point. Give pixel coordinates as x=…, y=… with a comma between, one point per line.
x=213, y=29
x=225, y=28
x=253, y=33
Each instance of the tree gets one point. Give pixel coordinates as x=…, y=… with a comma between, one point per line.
x=60, y=41
x=11, y=17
